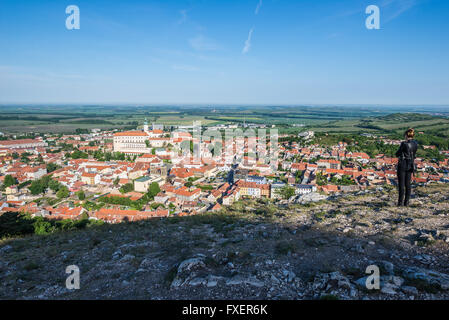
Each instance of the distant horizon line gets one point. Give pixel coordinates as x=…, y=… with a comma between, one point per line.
x=155, y=104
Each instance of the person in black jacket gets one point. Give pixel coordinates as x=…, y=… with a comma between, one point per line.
x=406, y=166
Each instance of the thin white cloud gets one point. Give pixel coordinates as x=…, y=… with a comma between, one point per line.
x=259, y=5
x=201, y=43
x=398, y=7
x=390, y=9
x=248, y=42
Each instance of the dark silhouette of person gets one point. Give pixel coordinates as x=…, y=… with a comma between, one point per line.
x=406, y=166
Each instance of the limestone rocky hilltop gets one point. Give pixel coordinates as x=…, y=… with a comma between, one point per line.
x=251, y=250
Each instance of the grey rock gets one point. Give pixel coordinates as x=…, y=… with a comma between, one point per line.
x=409, y=290
x=237, y=239
x=391, y=281
x=186, y=272
x=311, y=197
x=424, y=258
x=361, y=282
x=353, y=292
x=212, y=281
x=388, y=289
x=235, y=280
x=397, y=281
x=125, y=283
x=425, y=236
x=116, y=255
x=6, y=249
x=239, y=279
x=191, y=264
x=197, y=281
x=274, y=279
x=389, y=267
x=145, y=263
x=357, y=248
x=253, y=281
x=429, y=276
x=332, y=280
x=127, y=258
x=320, y=281
x=177, y=282
x=289, y=275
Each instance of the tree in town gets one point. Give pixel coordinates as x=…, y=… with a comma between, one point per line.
x=52, y=167
x=286, y=192
x=81, y=195
x=63, y=192
x=54, y=185
x=9, y=181
x=154, y=189
x=127, y=188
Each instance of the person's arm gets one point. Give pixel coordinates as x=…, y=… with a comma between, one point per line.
x=399, y=152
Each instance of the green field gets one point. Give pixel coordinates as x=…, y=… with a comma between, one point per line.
x=39, y=122
x=326, y=119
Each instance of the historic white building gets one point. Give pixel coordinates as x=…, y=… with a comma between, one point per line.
x=131, y=142
x=139, y=142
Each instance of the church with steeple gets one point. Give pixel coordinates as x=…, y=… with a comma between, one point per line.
x=145, y=126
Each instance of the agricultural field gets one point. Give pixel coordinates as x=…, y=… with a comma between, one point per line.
x=390, y=124
x=288, y=119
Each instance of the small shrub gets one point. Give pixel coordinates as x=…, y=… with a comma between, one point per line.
x=171, y=275
x=422, y=285
x=31, y=266
x=284, y=247
x=320, y=216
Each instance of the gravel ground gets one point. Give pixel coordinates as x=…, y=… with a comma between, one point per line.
x=251, y=250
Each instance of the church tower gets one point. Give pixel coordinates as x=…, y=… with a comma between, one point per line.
x=145, y=125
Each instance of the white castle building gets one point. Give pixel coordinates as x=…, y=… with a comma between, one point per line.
x=135, y=142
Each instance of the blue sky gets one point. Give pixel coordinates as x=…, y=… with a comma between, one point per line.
x=227, y=51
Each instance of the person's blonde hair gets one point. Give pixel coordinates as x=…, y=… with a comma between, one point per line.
x=410, y=133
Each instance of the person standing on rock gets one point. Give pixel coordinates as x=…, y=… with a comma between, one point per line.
x=406, y=166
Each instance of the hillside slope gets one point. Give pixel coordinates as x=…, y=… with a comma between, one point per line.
x=251, y=250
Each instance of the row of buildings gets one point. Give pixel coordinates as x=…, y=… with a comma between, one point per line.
x=185, y=185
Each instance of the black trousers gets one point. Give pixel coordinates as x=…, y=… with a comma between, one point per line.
x=404, y=184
